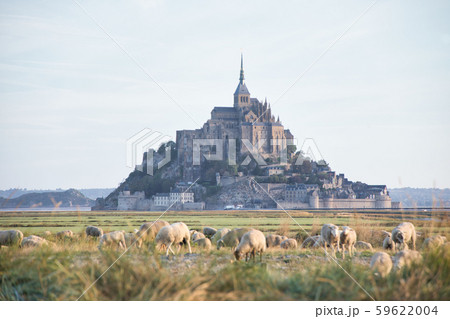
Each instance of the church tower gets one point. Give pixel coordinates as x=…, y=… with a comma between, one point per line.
x=241, y=95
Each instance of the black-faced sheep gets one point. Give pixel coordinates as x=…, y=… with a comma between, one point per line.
x=381, y=264
x=251, y=243
x=113, y=238
x=94, y=231
x=204, y=243
x=330, y=235
x=348, y=240
x=289, y=243
x=209, y=232
x=232, y=238
x=219, y=234
x=175, y=234
x=406, y=258
x=11, y=238
x=363, y=245
x=402, y=234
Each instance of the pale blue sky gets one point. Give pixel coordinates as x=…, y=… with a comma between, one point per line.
x=377, y=103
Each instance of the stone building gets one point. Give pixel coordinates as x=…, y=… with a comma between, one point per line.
x=248, y=119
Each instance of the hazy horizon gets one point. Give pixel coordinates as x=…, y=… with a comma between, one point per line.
x=376, y=103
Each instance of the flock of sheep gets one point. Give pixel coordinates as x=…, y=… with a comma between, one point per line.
x=245, y=241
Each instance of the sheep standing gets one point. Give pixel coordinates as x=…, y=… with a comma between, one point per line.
x=219, y=234
x=113, y=238
x=330, y=235
x=11, y=238
x=197, y=235
x=177, y=234
x=310, y=241
x=64, y=234
x=404, y=233
x=131, y=238
x=34, y=241
x=94, y=231
x=364, y=245
x=204, y=243
x=381, y=264
x=232, y=238
x=406, y=258
x=147, y=232
x=273, y=241
x=434, y=242
x=289, y=243
x=209, y=231
x=251, y=243
x=348, y=240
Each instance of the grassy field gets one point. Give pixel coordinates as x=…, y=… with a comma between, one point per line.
x=67, y=268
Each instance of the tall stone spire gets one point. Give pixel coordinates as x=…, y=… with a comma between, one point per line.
x=241, y=77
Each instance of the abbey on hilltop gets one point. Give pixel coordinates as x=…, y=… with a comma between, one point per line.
x=248, y=119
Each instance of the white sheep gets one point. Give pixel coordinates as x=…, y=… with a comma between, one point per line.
x=311, y=241
x=348, y=240
x=34, y=241
x=11, y=238
x=232, y=238
x=434, y=241
x=204, y=243
x=251, y=243
x=402, y=234
x=94, y=231
x=131, y=238
x=364, y=245
x=388, y=244
x=197, y=235
x=209, y=231
x=147, y=231
x=289, y=243
x=219, y=234
x=113, y=238
x=330, y=236
x=64, y=234
x=406, y=258
x=177, y=234
x=273, y=241
x=47, y=233
x=381, y=264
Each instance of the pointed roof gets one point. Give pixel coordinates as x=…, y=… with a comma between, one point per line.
x=241, y=88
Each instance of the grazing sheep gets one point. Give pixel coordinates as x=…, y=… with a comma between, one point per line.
x=64, y=234
x=131, y=238
x=94, y=231
x=197, y=235
x=330, y=235
x=348, y=240
x=147, y=231
x=273, y=241
x=406, y=258
x=311, y=241
x=47, y=233
x=381, y=264
x=209, y=231
x=192, y=232
x=404, y=233
x=251, y=243
x=289, y=243
x=232, y=238
x=283, y=238
x=363, y=245
x=34, y=241
x=11, y=238
x=177, y=234
x=204, y=243
x=219, y=234
x=388, y=244
x=113, y=238
x=434, y=241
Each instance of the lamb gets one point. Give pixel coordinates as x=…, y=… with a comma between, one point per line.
x=34, y=241
x=406, y=258
x=64, y=234
x=381, y=264
x=131, y=238
x=387, y=241
x=404, y=233
x=113, y=238
x=348, y=240
x=232, y=238
x=219, y=234
x=273, y=241
x=177, y=234
x=434, y=242
x=209, y=231
x=197, y=235
x=11, y=238
x=289, y=243
x=94, y=231
x=364, y=245
x=310, y=241
x=204, y=243
x=251, y=243
x=330, y=235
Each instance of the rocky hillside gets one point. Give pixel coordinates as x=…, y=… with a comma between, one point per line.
x=69, y=198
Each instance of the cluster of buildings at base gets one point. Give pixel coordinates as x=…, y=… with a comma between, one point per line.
x=252, y=120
